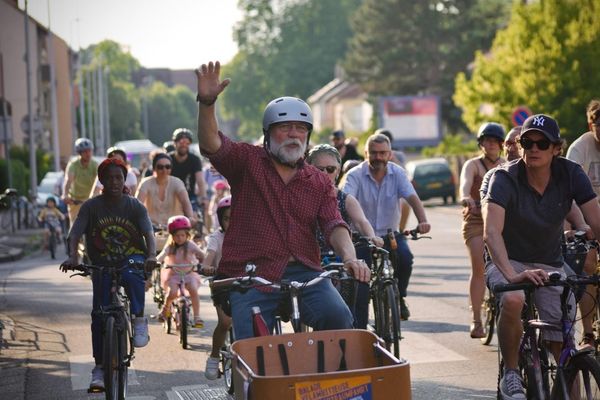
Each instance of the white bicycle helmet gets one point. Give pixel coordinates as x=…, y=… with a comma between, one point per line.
x=82, y=144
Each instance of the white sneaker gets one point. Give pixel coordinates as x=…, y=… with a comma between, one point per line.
x=97, y=383
x=140, y=332
x=211, y=371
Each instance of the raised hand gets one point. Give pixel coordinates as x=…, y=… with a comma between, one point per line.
x=209, y=82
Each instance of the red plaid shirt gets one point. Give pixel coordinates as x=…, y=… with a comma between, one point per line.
x=271, y=221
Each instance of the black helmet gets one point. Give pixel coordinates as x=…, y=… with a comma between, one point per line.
x=181, y=133
x=491, y=129
x=169, y=146
x=118, y=150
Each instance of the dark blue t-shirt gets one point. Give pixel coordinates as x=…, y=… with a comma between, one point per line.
x=533, y=223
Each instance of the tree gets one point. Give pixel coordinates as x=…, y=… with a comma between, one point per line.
x=404, y=47
x=285, y=49
x=546, y=59
x=168, y=109
x=124, y=103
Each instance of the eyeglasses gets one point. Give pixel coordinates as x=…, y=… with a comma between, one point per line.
x=286, y=127
x=329, y=168
x=527, y=144
x=163, y=166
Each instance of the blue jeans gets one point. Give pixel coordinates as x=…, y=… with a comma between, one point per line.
x=321, y=306
x=403, y=270
x=133, y=281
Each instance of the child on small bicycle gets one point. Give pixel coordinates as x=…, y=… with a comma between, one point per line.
x=50, y=217
x=211, y=263
x=180, y=250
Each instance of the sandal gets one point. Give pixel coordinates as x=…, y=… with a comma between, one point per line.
x=477, y=331
x=198, y=322
x=588, y=340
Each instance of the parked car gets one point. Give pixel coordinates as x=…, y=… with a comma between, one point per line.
x=137, y=150
x=49, y=187
x=432, y=178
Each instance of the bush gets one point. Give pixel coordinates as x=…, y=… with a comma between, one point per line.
x=20, y=176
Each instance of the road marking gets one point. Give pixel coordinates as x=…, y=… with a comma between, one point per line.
x=81, y=369
x=419, y=349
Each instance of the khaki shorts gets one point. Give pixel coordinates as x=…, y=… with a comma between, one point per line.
x=547, y=299
x=472, y=226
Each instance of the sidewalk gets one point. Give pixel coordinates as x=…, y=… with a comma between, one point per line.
x=15, y=245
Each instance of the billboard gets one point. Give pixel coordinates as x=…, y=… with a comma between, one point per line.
x=412, y=120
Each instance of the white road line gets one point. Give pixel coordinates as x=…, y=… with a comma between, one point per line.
x=81, y=369
x=419, y=349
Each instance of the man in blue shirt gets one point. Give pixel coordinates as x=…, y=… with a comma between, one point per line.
x=379, y=185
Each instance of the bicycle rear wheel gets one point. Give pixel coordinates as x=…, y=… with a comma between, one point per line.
x=582, y=377
x=183, y=325
x=489, y=309
x=226, y=362
x=111, y=359
x=52, y=244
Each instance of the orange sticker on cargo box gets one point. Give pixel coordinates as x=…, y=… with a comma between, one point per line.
x=354, y=388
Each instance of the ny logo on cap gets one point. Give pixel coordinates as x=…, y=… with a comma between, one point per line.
x=539, y=121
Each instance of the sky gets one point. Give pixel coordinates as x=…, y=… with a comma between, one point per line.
x=176, y=34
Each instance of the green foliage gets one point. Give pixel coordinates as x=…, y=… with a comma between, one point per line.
x=119, y=60
x=124, y=111
x=44, y=162
x=285, y=49
x=406, y=47
x=546, y=59
x=168, y=109
x=451, y=145
x=20, y=176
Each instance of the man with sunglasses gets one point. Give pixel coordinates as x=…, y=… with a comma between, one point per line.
x=378, y=185
x=524, y=207
x=585, y=151
x=278, y=201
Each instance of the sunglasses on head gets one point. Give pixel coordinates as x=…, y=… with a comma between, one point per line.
x=163, y=166
x=542, y=144
x=330, y=169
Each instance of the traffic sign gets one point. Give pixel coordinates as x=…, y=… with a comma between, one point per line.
x=37, y=124
x=520, y=114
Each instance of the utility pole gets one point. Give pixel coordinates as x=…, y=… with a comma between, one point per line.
x=90, y=108
x=106, y=71
x=100, y=75
x=81, y=97
x=55, y=144
x=32, y=133
x=5, y=124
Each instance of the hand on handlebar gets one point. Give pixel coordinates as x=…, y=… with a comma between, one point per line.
x=68, y=265
x=359, y=270
x=423, y=227
x=377, y=241
x=150, y=264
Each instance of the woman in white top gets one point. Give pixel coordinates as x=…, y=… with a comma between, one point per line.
x=164, y=195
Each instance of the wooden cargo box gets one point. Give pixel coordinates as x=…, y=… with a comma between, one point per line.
x=325, y=365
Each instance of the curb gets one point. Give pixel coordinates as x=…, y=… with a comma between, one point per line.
x=8, y=253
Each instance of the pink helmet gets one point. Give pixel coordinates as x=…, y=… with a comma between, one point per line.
x=224, y=202
x=220, y=185
x=178, y=222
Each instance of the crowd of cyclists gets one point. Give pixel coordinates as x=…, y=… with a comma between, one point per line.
x=281, y=205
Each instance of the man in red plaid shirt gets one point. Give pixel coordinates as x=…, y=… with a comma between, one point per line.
x=278, y=202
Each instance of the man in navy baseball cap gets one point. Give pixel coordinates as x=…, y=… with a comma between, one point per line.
x=544, y=124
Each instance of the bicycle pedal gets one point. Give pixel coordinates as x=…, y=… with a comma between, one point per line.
x=95, y=390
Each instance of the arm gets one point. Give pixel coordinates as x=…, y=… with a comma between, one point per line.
x=360, y=221
x=466, y=183
x=186, y=206
x=591, y=213
x=95, y=188
x=209, y=88
x=419, y=210
x=141, y=194
x=342, y=245
x=67, y=186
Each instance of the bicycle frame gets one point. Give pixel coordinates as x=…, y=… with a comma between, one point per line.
x=538, y=369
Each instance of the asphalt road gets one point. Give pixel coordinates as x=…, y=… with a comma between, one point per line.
x=47, y=351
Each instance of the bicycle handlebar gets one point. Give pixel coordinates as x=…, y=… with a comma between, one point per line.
x=573, y=280
x=414, y=234
x=255, y=281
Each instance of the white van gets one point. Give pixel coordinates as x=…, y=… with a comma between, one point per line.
x=137, y=150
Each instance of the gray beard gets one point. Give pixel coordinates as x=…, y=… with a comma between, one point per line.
x=284, y=155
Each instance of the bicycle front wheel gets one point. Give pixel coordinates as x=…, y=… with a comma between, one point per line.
x=533, y=365
x=226, y=362
x=489, y=309
x=111, y=359
x=52, y=244
x=582, y=379
x=183, y=325
x=123, y=360
x=391, y=318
